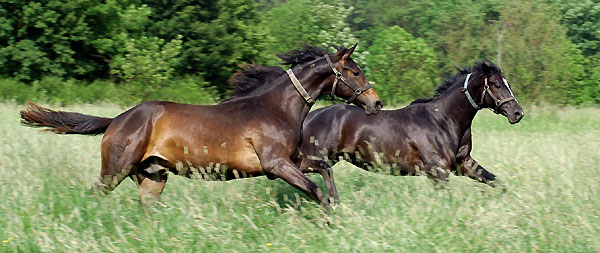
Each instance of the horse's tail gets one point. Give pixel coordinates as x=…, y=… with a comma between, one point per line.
x=63, y=122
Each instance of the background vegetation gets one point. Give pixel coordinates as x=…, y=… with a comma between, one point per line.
x=549, y=163
x=126, y=51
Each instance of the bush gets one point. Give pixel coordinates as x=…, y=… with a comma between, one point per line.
x=402, y=67
x=54, y=90
x=191, y=89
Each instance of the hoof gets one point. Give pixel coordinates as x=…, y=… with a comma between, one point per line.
x=498, y=184
x=334, y=206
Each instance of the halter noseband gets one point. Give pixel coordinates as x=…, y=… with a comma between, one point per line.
x=339, y=77
x=486, y=89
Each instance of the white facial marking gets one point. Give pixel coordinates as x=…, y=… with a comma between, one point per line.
x=508, y=87
x=509, y=90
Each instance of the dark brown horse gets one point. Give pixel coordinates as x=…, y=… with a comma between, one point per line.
x=254, y=133
x=430, y=136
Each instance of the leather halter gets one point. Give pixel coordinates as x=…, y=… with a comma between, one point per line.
x=486, y=89
x=338, y=77
x=299, y=88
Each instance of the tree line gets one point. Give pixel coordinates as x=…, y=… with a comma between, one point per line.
x=186, y=50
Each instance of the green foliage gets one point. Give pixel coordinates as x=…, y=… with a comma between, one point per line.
x=189, y=89
x=54, y=38
x=218, y=35
x=403, y=68
x=524, y=37
x=539, y=60
x=53, y=90
x=58, y=91
x=147, y=61
x=314, y=22
x=549, y=50
x=582, y=20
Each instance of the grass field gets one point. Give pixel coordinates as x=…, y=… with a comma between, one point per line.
x=550, y=164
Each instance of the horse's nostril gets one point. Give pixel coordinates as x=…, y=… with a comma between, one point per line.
x=378, y=105
x=517, y=113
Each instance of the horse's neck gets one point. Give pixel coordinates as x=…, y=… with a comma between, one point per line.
x=286, y=98
x=455, y=107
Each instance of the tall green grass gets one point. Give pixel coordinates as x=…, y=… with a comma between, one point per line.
x=549, y=162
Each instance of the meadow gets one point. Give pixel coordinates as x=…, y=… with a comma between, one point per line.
x=549, y=163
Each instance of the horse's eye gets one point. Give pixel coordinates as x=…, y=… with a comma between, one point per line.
x=498, y=85
x=356, y=73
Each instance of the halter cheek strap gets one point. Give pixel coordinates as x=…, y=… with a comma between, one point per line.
x=499, y=102
x=338, y=77
x=486, y=89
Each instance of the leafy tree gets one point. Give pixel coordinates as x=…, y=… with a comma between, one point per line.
x=316, y=22
x=538, y=58
x=403, y=68
x=148, y=62
x=460, y=31
x=218, y=35
x=54, y=38
x=582, y=20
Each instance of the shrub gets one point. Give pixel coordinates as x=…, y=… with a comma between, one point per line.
x=402, y=67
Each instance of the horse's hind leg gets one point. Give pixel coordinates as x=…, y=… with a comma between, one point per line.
x=119, y=158
x=321, y=167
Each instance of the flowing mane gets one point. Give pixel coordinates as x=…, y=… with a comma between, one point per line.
x=457, y=78
x=299, y=56
x=254, y=78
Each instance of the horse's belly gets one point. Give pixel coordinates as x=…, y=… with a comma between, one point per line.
x=188, y=157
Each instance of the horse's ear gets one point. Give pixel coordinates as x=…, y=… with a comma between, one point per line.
x=340, y=53
x=486, y=69
x=350, y=51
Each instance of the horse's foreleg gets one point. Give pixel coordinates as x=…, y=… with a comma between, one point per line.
x=321, y=167
x=469, y=167
x=285, y=169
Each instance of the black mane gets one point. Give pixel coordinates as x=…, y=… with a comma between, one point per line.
x=254, y=77
x=304, y=55
x=457, y=78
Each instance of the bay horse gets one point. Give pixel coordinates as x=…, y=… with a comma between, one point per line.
x=430, y=136
x=254, y=133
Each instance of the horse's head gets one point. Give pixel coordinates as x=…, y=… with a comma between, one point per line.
x=350, y=82
x=496, y=94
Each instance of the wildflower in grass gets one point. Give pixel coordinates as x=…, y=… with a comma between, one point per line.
x=269, y=244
